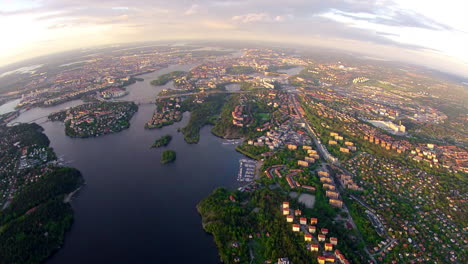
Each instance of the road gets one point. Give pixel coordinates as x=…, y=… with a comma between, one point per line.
x=321, y=148
x=328, y=157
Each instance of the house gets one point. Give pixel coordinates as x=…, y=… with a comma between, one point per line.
x=330, y=259
x=334, y=241
x=297, y=212
x=314, y=247
x=321, y=260
x=328, y=247
x=303, y=221
x=285, y=205
x=324, y=231
x=313, y=221
x=312, y=229
x=296, y=228
x=285, y=211
x=308, y=237
x=303, y=163
x=321, y=238
x=289, y=218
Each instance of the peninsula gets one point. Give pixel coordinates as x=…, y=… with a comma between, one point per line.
x=35, y=215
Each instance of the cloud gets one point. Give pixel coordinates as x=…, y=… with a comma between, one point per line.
x=259, y=17
x=192, y=10
x=401, y=24
x=251, y=18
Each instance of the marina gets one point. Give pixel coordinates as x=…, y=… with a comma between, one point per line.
x=246, y=170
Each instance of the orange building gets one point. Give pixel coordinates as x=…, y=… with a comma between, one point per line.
x=313, y=221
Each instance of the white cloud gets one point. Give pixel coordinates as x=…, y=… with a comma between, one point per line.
x=192, y=10
x=252, y=17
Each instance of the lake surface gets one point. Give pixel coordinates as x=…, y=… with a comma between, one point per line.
x=133, y=209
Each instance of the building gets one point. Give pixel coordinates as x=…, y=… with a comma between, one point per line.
x=323, y=174
x=332, y=194
x=285, y=211
x=321, y=238
x=336, y=203
x=283, y=261
x=309, y=188
x=328, y=247
x=302, y=163
x=308, y=237
x=344, y=150
x=314, y=247
x=334, y=241
x=297, y=212
x=292, y=147
x=296, y=228
x=289, y=218
x=321, y=260
x=303, y=221
x=312, y=229
x=324, y=231
x=313, y=221
x=285, y=205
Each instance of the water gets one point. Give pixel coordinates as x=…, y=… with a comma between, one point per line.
x=9, y=106
x=133, y=209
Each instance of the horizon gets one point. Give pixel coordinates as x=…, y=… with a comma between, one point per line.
x=426, y=34
x=11, y=68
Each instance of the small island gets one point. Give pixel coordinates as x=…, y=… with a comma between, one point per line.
x=168, y=156
x=96, y=119
x=162, y=141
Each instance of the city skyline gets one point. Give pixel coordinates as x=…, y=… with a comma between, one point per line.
x=428, y=34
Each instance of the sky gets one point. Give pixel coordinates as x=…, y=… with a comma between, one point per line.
x=425, y=32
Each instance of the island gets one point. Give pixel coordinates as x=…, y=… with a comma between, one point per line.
x=165, y=78
x=162, y=141
x=36, y=213
x=168, y=156
x=96, y=119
